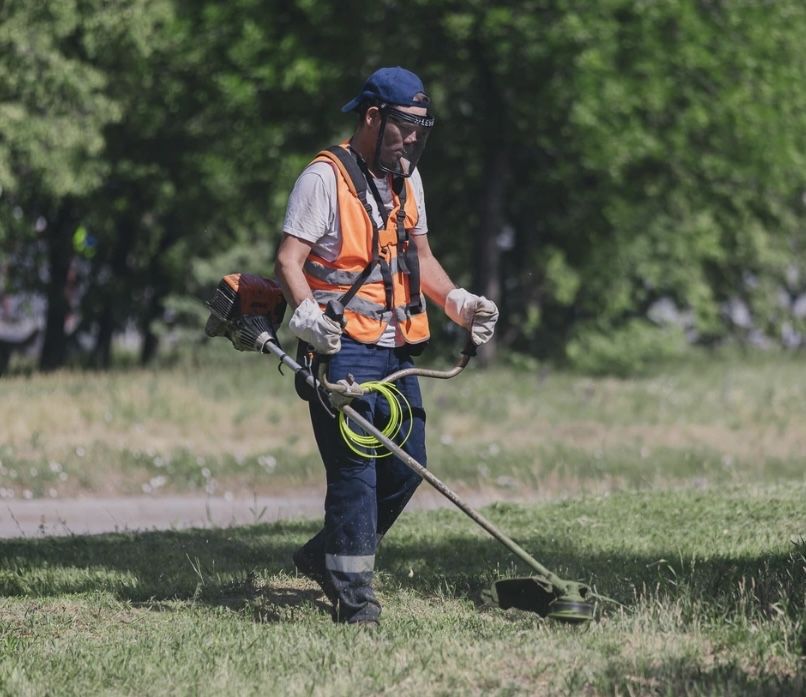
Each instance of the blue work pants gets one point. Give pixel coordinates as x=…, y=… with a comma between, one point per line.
x=364, y=496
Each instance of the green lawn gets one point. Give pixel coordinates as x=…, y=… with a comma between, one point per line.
x=680, y=495
x=231, y=423
x=712, y=584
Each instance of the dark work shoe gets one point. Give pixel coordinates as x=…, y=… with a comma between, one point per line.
x=308, y=567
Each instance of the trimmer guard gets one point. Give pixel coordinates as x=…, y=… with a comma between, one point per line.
x=539, y=595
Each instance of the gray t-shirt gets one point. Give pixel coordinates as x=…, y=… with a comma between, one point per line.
x=313, y=215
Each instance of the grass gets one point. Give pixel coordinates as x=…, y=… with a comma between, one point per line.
x=230, y=422
x=712, y=585
x=679, y=495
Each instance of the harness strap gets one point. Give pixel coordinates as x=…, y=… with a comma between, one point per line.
x=408, y=260
x=388, y=283
x=359, y=183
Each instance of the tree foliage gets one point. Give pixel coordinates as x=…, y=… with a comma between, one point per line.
x=591, y=162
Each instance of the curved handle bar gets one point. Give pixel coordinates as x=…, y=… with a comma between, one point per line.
x=467, y=353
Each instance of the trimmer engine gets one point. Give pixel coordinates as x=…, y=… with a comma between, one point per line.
x=247, y=309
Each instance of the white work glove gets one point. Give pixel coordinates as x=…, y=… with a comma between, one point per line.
x=310, y=324
x=473, y=312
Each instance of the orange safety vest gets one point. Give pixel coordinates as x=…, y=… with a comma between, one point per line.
x=391, y=269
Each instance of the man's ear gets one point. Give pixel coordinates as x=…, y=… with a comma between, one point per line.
x=372, y=116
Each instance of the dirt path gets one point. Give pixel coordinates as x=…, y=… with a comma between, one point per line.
x=89, y=516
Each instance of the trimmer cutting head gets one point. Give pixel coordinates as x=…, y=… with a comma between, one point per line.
x=569, y=602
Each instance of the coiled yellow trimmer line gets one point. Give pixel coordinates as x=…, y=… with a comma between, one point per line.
x=369, y=443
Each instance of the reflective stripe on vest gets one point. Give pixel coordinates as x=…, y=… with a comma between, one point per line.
x=357, y=304
x=337, y=277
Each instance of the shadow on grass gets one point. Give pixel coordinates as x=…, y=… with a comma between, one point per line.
x=756, y=585
x=681, y=676
x=149, y=566
x=229, y=567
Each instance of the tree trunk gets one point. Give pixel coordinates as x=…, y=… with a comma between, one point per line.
x=160, y=289
x=116, y=304
x=102, y=350
x=486, y=249
x=59, y=238
x=153, y=311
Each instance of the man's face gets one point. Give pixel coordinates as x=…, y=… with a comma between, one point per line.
x=401, y=135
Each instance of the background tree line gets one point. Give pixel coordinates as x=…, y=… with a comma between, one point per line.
x=622, y=177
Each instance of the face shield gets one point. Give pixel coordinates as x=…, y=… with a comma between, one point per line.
x=401, y=140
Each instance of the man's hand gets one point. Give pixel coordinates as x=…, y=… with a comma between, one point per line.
x=310, y=324
x=473, y=312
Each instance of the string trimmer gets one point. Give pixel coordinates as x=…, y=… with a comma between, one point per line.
x=247, y=309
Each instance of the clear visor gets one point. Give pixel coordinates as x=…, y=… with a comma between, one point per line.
x=401, y=141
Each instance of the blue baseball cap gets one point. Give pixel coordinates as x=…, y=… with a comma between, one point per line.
x=391, y=86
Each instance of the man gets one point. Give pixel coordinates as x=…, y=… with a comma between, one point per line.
x=354, y=263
